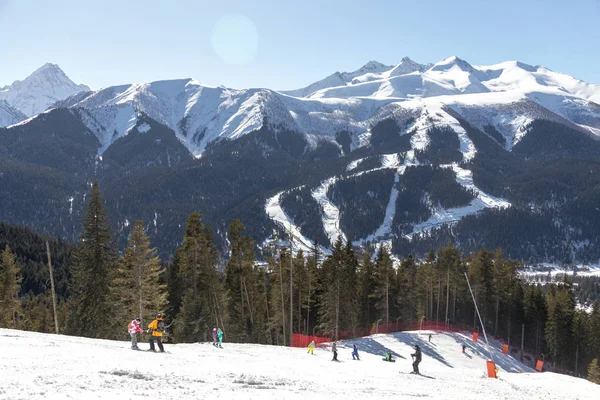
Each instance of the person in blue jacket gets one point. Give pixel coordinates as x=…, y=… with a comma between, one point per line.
x=355, y=352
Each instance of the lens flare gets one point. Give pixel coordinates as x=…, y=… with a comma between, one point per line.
x=235, y=39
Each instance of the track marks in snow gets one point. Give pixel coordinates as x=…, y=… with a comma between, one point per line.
x=331, y=214
x=441, y=216
x=275, y=212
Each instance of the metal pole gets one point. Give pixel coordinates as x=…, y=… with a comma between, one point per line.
x=291, y=287
x=480, y=320
x=52, y=287
x=377, y=326
x=397, y=323
x=522, y=339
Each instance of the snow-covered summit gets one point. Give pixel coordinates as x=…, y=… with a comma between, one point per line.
x=45, y=86
x=507, y=96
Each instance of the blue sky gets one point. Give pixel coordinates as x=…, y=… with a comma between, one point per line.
x=287, y=44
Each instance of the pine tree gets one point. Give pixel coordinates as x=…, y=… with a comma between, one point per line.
x=407, y=281
x=385, y=285
x=10, y=286
x=137, y=287
x=204, y=301
x=559, y=326
x=581, y=340
x=367, y=284
x=594, y=371
x=239, y=282
x=90, y=307
x=330, y=290
x=174, y=286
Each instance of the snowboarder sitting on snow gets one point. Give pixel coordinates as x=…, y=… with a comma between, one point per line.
x=388, y=357
x=220, y=336
x=134, y=328
x=355, y=352
x=214, y=336
x=156, y=327
x=334, y=350
x=311, y=348
x=417, y=359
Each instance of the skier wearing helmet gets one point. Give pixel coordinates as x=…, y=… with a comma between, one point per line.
x=156, y=328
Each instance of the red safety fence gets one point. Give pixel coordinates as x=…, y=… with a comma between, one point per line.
x=299, y=340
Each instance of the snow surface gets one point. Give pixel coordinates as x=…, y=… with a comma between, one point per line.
x=507, y=96
x=275, y=212
x=9, y=115
x=442, y=216
x=44, y=87
x=44, y=366
x=331, y=214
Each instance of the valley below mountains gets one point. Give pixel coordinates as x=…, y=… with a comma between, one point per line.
x=412, y=156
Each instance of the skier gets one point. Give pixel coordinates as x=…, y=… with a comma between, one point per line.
x=311, y=348
x=464, y=348
x=334, y=349
x=430, y=338
x=220, y=336
x=134, y=328
x=156, y=328
x=214, y=336
x=417, y=359
x=355, y=352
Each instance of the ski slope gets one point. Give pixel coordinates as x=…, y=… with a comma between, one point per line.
x=43, y=366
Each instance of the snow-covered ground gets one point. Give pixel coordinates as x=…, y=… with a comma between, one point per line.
x=540, y=271
x=43, y=366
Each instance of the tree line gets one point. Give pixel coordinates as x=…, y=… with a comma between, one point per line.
x=267, y=299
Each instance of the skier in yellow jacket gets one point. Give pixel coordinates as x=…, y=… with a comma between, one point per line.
x=311, y=348
x=156, y=328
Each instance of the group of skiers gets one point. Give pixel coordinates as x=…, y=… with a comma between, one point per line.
x=417, y=356
x=156, y=329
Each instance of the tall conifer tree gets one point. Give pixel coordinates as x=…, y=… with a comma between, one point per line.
x=10, y=286
x=91, y=308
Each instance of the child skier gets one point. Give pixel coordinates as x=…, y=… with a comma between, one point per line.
x=214, y=336
x=220, y=336
x=156, y=328
x=355, y=352
x=311, y=348
x=464, y=348
x=417, y=360
x=134, y=328
x=334, y=350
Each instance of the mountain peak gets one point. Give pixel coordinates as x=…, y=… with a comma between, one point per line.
x=451, y=62
x=44, y=87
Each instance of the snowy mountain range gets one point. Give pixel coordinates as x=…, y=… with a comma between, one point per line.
x=412, y=155
x=44, y=87
x=506, y=96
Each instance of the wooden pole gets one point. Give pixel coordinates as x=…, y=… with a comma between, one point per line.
x=52, y=287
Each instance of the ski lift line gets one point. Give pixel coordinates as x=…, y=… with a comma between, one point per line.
x=480, y=320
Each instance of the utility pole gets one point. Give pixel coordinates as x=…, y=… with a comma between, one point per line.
x=52, y=287
x=291, y=286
